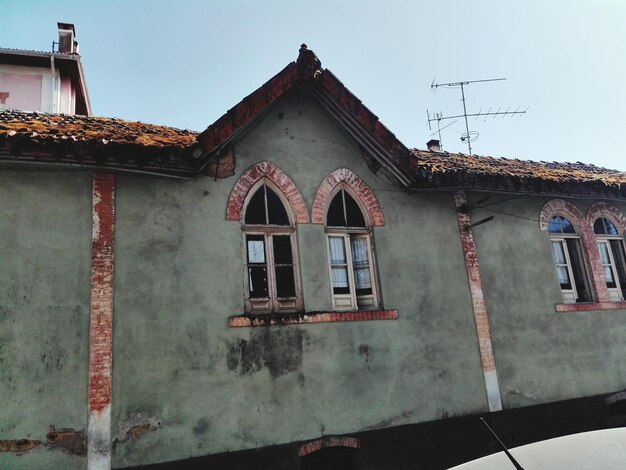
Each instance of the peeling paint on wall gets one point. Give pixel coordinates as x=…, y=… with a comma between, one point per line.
x=68, y=440
x=19, y=446
x=135, y=426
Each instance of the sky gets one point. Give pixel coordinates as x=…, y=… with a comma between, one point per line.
x=184, y=63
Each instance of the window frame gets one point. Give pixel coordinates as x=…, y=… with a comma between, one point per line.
x=272, y=303
x=615, y=293
x=350, y=301
x=570, y=296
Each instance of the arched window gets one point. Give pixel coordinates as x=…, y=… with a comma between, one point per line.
x=569, y=261
x=351, y=262
x=271, y=270
x=611, y=247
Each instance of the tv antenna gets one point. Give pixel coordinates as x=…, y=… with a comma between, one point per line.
x=469, y=136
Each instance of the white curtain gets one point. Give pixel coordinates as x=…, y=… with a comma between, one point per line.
x=338, y=256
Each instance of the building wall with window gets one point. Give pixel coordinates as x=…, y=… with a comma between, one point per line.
x=180, y=275
x=542, y=354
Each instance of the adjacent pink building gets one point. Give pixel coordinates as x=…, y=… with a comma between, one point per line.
x=48, y=82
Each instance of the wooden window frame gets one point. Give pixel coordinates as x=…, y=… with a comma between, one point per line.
x=615, y=293
x=350, y=301
x=272, y=303
x=570, y=296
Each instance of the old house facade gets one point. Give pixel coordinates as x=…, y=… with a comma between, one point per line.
x=294, y=288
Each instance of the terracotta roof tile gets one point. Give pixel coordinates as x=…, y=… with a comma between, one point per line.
x=94, y=141
x=443, y=169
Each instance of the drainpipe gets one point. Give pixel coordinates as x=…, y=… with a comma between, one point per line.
x=53, y=87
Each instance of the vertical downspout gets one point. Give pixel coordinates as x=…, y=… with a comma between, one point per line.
x=101, y=322
x=53, y=87
x=479, y=306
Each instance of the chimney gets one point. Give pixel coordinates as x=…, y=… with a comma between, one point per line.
x=67, y=43
x=433, y=145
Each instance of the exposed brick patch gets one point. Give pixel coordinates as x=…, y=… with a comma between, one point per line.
x=223, y=166
x=481, y=318
x=267, y=170
x=18, y=446
x=330, y=441
x=589, y=306
x=101, y=308
x=68, y=440
x=310, y=317
x=364, y=197
x=584, y=229
x=601, y=209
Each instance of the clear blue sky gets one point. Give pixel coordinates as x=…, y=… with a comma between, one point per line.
x=184, y=63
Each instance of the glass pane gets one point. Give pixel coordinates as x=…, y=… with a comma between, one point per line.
x=255, y=212
x=617, y=248
x=256, y=249
x=275, y=210
x=340, y=280
x=604, y=226
x=335, y=216
x=608, y=276
x=558, y=224
x=336, y=250
x=282, y=249
x=258, y=281
x=561, y=272
x=353, y=212
x=578, y=269
x=598, y=227
x=359, y=252
x=285, y=285
x=362, y=279
x=604, y=253
x=611, y=229
x=557, y=252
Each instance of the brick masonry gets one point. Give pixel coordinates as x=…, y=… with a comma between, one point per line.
x=330, y=441
x=286, y=185
x=364, y=197
x=313, y=317
x=584, y=228
x=101, y=321
x=481, y=317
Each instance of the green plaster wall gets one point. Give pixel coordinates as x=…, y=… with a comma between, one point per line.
x=45, y=252
x=179, y=276
x=541, y=355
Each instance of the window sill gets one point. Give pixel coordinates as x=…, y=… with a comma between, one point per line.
x=588, y=306
x=269, y=319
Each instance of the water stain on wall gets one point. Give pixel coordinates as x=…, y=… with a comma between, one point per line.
x=280, y=351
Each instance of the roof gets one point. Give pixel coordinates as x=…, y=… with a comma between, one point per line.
x=97, y=142
x=443, y=170
x=339, y=103
x=65, y=61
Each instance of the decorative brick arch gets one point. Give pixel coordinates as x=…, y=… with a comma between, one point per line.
x=330, y=441
x=602, y=209
x=584, y=229
x=365, y=196
x=275, y=175
x=564, y=208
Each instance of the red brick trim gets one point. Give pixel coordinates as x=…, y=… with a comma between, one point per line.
x=589, y=306
x=584, y=229
x=481, y=317
x=601, y=209
x=364, y=196
x=267, y=170
x=101, y=307
x=311, y=317
x=563, y=208
x=325, y=442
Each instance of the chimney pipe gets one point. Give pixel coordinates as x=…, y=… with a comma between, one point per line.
x=433, y=145
x=67, y=42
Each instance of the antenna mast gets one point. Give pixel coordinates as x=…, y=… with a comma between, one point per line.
x=469, y=136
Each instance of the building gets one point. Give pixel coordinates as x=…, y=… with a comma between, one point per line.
x=295, y=288
x=48, y=82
